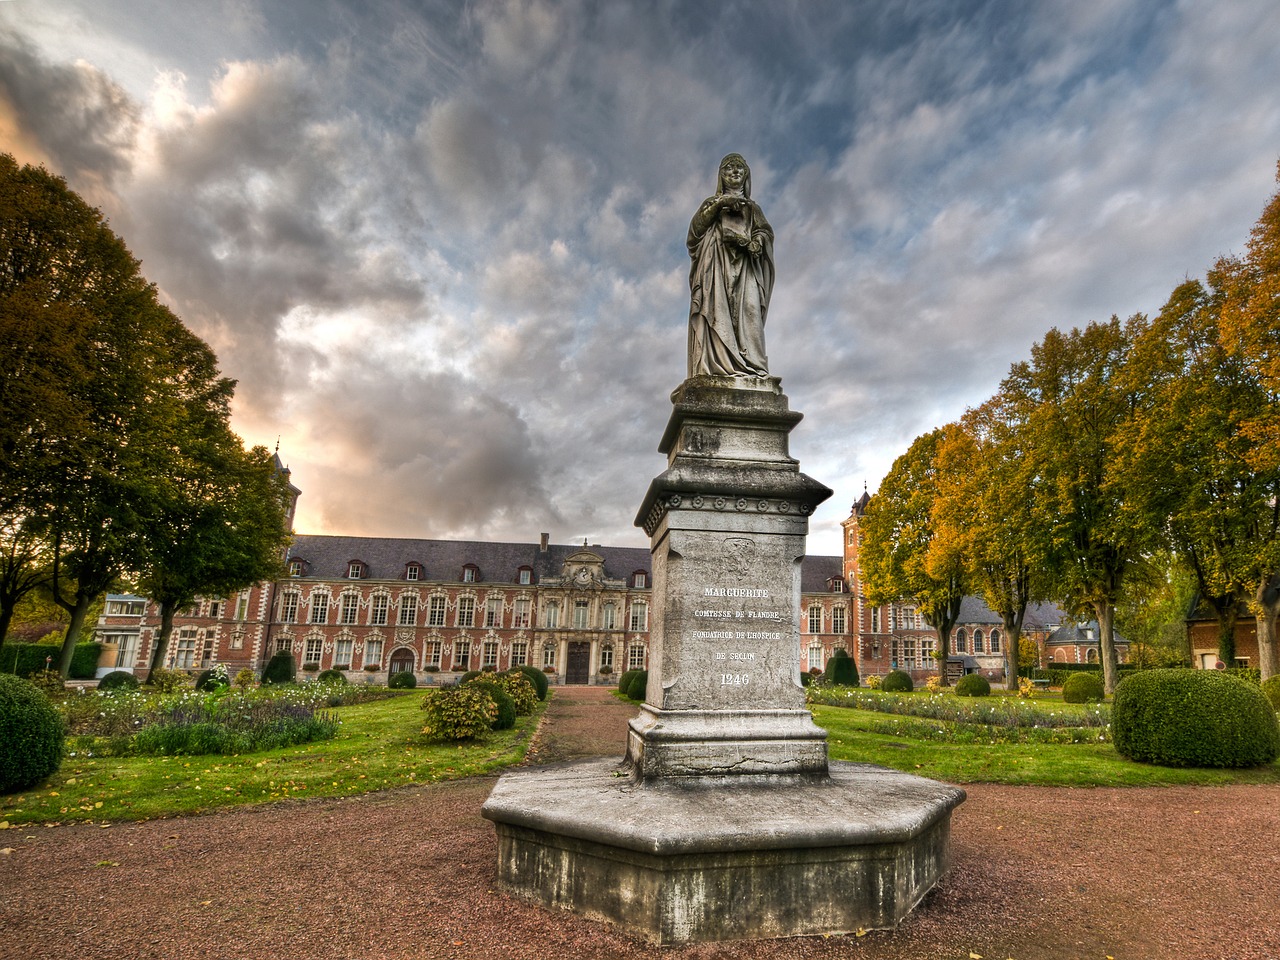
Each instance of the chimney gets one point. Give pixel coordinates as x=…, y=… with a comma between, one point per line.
x=546, y=537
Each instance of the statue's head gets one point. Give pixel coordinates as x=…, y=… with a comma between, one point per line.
x=734, y=160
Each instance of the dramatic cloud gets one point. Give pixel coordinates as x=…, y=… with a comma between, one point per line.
x=441, y=246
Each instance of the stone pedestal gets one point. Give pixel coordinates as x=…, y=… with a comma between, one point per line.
x=725, y=820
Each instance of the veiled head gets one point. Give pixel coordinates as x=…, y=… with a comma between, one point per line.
x=746, y=180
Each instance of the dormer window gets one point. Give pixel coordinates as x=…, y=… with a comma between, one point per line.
x=470, y=573
x=355, y=570
x=640, y=580
x=295, y=568
x=837, y=585
x=525, y=576
x=413, y=572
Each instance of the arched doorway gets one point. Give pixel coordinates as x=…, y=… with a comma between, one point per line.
x=401, y=661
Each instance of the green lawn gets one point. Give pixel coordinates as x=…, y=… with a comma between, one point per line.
x=893, y=741
x=379, y=746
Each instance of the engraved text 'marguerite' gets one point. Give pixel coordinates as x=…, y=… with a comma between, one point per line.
x=754, y=592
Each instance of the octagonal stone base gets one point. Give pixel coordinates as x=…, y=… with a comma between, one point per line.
x=723, y=858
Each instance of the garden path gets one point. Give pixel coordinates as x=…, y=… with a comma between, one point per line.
x=1038, y=874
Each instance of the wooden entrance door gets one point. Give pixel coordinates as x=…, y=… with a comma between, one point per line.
x=578, y=669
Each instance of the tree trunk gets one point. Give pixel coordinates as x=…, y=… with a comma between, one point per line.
x=160, y=646
x=74, y=629
x=944, y=651
x=1228, y=613
x=1107, y=644
x=1013, y=641
x=1266, y=606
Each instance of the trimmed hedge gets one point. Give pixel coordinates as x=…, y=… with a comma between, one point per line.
x=842, y=669
x=332, y=676
x=24, y=659
x=212, y=679
x=624, y=681
x=973, y=685
x=31, y=734
x=457, y=713
x=469, y=676
x=897, y=681
x=506, y=716
x=539, y=679
x=1271, y=688
x=281, y=668
x=1194, y=718
x=118, y=680
x=639, y=687
x=403, y=680
x=1083, y=688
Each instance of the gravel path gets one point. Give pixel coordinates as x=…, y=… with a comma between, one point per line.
x=1038, y=874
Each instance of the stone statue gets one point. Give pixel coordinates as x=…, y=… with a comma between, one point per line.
x=731, y=278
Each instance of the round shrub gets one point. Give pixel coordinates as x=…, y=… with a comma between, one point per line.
x=332, y=676
x=624, y=681
x=973, y=685
x=1083, y=688
x=506, y=718
x=1271, y=689
x=639, y=685
x=458, y=713
x=842, y=669
x=118, y=680
x=520, y=688
x=1193, y=718
x=281, y=668
x=31, y=733
x=212, y=679
x=806, y=679
x=469, y=676
x=403, y=680
x=897, y=681
x=537, y=678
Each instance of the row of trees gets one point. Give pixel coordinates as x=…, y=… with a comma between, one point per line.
x=1115, y=448
x=119, y=464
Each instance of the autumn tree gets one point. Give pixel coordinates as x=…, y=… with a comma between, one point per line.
x=1072, y=411
x=1189, y=464
x=1250, y=327
x=221, y=527
x=110, y=395
x=901, y=557
x=984, y=504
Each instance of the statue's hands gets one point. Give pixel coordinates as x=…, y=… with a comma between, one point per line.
x=754, y=248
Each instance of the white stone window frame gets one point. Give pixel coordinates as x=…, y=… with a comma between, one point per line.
x=489, y=653
x=462, y=654
x=318, y=608
x=407, y=610
x=437, y=610
x=839, y=619
x=313, y=649
x=582, y=614
x=635, y=656
x=465, y=615
x=344, y=648
x=815, y=618
x=349, y=609
x=373, y=649
x=379, y=609
x=493, y=613
x=638, y=616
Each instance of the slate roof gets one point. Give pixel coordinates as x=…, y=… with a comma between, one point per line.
x=1040, y=616
x=385, y=558
x=816, y=571
x=1084, y=634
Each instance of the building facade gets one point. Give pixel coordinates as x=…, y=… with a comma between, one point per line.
x=379, y=605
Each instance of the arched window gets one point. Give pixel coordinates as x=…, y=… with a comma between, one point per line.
x=961, y=642
x=1091, y=655
x=995, y=641
x=548, y=654
x=977, y=641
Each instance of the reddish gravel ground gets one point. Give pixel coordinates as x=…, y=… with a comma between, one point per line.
x=1038, y=874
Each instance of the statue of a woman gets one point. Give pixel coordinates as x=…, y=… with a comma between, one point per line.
x=731, y=278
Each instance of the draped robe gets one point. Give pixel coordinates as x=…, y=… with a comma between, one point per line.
x=729, y=291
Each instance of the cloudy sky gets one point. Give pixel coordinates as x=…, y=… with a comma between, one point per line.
x=441, y=244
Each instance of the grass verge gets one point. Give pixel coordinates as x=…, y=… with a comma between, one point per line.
x=996, y=756
x=379, y=746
